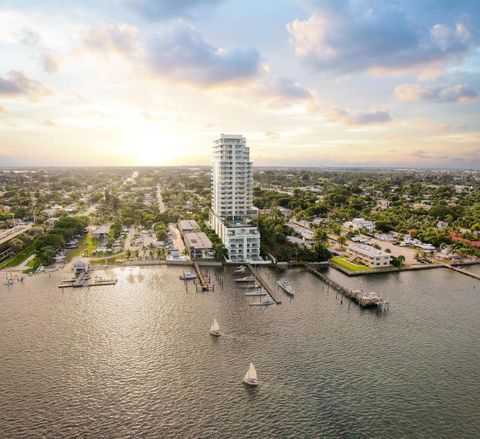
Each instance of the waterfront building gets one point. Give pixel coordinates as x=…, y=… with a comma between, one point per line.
x=369, y=256
x=199, y=245
x=232, y=214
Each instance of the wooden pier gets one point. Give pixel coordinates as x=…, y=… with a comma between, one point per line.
x=461, y=270
x=204, y=281
x=83, y=280
x=272, y=293
x=364, y=300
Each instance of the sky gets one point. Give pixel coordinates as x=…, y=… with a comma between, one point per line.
x=308, y=82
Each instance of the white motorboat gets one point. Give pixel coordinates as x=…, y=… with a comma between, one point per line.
x=240, y=270
x=246, y=279
x=256, y=292
x=187, y=276
x=251, y=376
x=282, y=283
x=261, y=302
x=215, y=329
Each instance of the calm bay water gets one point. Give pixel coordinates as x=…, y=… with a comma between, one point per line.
x=136, y=359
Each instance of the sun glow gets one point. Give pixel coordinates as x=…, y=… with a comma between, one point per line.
x=153, y=147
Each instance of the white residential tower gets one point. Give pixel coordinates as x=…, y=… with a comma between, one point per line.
x=233, y=216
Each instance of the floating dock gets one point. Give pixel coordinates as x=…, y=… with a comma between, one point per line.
x=364, y=300
x=203, y=279
x=271, y=292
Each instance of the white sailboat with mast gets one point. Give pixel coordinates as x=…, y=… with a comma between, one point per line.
x=251, y=376
x=215, y=328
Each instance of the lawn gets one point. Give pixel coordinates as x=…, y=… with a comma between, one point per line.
x=86, y=245
x=19, y=258
x=348, y=265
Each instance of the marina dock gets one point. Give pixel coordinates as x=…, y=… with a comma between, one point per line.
x=364, y=300
x=83, y=280
x=461, y=270
x=272, y=293
x=204, y=280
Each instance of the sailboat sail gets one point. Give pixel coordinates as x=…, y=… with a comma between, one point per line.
x=215, y=326
x=251, y=374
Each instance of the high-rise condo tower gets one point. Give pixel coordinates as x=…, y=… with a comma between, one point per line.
x=233, y=216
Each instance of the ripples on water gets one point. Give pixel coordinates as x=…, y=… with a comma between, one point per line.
x=136, y=359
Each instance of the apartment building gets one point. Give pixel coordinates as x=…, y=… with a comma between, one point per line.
x=369, y=256
x=232, y=214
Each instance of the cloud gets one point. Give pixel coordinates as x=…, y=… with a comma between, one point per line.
x=418, y=92
x=288, y=88
x=29, y=37
x=49, y=123
x=352, y=117
x=50, y=62
x=16, y=84
x=106, y=38
x=346, y=36
x=179, y=51
x=165, y=9
x=279, y=93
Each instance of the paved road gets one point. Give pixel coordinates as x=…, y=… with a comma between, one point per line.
x=128, y=239
x=176, y=238
x=12, y=233
x=161, y=204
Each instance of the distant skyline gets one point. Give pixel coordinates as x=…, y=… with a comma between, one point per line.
x=335, y=83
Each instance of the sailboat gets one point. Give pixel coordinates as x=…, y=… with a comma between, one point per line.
x=251, y=376
x=214, y=329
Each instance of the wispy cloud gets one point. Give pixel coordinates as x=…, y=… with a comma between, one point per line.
x=165, y=9
x=179, y=51
x=351, y=117
x=419, y=92
x=50, y=62
x=15, y=84
x=107, y=38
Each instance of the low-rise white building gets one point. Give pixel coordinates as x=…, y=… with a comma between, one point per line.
x=369, y=256
x=199, y=245
x=359, y=223
x=188, y=226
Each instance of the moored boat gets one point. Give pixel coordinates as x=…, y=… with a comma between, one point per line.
x=187, y=276
x=246, y=279
x=282, y=283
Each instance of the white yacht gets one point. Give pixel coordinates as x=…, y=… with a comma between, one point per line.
x=240, y=270
x=246, y=279
x=262, y=302
x=251, y=376
x=282, y=283
x=256, y=292
x=188, y=276
x=215, y=329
